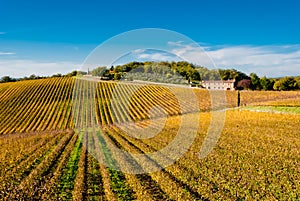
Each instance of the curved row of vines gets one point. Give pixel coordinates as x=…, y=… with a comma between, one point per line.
x=72, y=154
x=46, y=104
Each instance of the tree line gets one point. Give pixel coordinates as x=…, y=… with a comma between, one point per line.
x=170, y=71
x=195, y=73
x=264, y=83
x=5, y=79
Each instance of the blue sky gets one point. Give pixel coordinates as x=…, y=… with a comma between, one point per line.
x=44, y=37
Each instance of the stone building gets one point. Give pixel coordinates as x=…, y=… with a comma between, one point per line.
x=218, y=84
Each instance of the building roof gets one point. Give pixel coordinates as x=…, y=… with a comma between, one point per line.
x=218, y=81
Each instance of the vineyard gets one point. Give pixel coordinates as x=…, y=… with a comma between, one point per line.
x=46, y=104
x=61, y=136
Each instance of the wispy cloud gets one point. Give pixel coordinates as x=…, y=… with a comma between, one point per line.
x=155, y=57
x=7, y=53
x=264, y=60
x=269, y=60
x=138, y=51
x=176, y=43
x=21, y=68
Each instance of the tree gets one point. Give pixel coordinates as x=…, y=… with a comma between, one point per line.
x=6, y=79
x=57, y=75
x=285, y=84
x=240, y=76
x=139, y=69
x=225, y=74
x=266, y=84
x=255, y=82
x=194, y=75
x=244, y=84
x=32, y=77
x=117, y=76
x=118, y=69
x=298, y=81
x=99, y=71
x=214, y=75
x=230, y=74
x=148, y=68
x=72, y=74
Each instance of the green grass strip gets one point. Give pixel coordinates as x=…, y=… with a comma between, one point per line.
x=117, y=178
x=69, y=173
x=279, y=109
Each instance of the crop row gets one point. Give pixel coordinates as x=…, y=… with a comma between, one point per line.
x=248, y=164
x=56, y=103
x=36, y=105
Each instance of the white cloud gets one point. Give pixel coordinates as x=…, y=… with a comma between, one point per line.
x=7, y=53
x=193, y=54
x=272, y=60
x=21, y=68
x=151, y=55
x=177, y=43
x=263, y=60
x=156, y=57
x=138, y=51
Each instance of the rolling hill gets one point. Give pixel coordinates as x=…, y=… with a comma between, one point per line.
x=67, y=138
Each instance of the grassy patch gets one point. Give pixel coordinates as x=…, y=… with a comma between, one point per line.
x=69, y=173
x=278, y=109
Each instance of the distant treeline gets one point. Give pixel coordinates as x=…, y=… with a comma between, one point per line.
x=180, y=72
x=186, y=70
x=35, y=77
x=192, y=73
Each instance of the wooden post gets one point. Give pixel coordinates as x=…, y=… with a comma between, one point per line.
x=239, y=99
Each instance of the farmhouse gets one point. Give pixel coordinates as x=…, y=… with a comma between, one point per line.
x=218, y=84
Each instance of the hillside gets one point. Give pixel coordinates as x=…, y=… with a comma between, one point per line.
x=36, y=105
x=65, y=138
x=46, y=104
